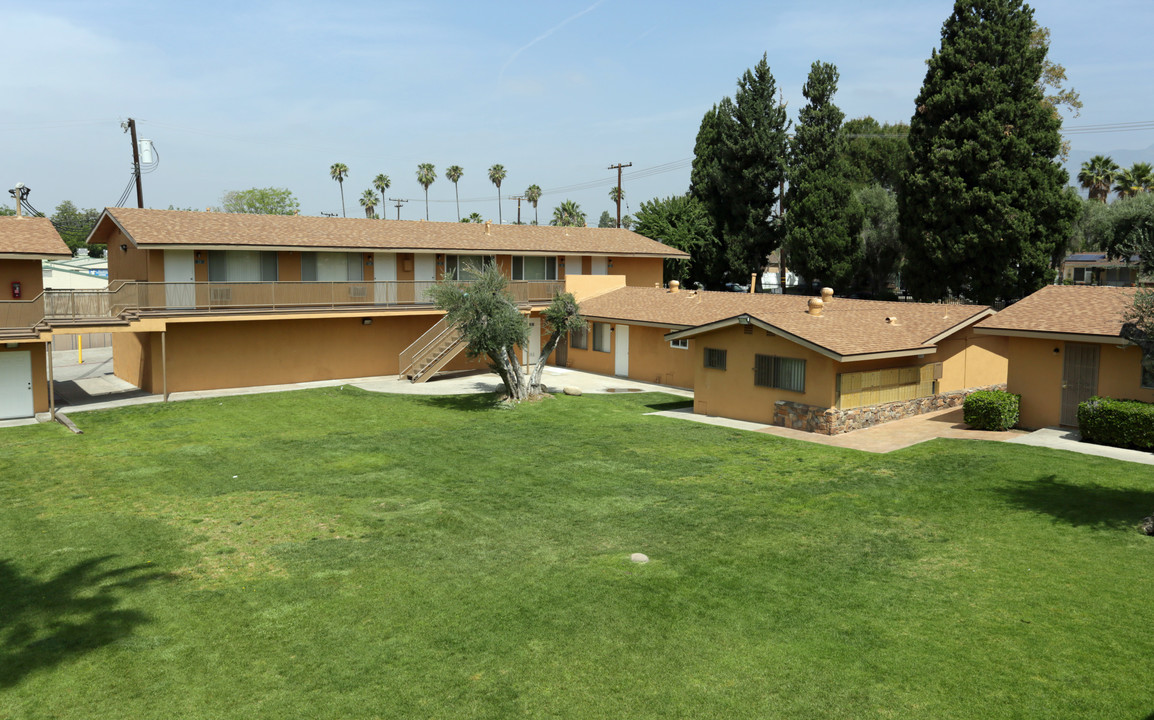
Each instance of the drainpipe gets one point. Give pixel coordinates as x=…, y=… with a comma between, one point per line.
x=51, y=389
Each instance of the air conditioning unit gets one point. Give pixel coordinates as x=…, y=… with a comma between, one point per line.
x=220, y=295
x=357, y=291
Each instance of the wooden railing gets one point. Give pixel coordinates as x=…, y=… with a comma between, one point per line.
x=21, y=314
x=148, y=297
x=861, y=389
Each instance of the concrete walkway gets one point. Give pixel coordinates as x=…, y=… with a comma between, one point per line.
x=878, y=439
x=92, y=386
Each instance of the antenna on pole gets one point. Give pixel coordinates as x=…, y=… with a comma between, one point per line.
x=399, y=202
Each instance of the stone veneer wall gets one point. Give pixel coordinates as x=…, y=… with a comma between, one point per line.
x=831, y=421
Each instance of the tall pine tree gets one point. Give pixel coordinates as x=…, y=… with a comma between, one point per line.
x=822, y=221
x=983, y=210
x=739, y=164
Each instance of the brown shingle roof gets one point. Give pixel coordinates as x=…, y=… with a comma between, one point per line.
x=175, y=227
x=1074, y=309
x=30, y=237
x=845, y=327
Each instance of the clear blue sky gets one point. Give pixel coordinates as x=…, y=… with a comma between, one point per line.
x=244, y=94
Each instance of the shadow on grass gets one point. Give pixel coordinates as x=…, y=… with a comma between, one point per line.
x=1083, y=504
x=462, y=403
x=46, y=622
x=669, y=405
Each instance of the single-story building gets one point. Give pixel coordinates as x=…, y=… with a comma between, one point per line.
x=1065, y=345
x=827, y=365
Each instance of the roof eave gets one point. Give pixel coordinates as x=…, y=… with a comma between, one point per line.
x=1047, y=335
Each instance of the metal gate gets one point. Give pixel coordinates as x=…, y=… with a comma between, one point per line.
x=1079, y=379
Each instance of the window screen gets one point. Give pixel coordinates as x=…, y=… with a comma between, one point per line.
x=601, y=341
x=579, y=339
x=779, y=372
x=715, y=358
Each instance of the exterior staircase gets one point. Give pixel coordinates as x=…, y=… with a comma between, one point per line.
x=431, y=352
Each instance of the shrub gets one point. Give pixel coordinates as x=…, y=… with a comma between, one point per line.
x=1121, y=423
x=991, y=410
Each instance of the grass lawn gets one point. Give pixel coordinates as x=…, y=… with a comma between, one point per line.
x=334, y=553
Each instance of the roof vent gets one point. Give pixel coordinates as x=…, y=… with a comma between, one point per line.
x=891, y=320
x=674, y=286
x=827, y=295
x=488, y=226
x=815, y=305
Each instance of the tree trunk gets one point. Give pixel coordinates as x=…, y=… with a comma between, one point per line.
x=535, y=378
x=516, y=375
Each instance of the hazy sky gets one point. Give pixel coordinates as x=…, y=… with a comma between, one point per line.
x=242, y=94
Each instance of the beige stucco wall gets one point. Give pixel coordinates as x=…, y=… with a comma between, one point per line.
x=731, y=392
x=586, y=286
x=217, y=354
x=1035, y=373
x=651, y=359
x=29, y=273
x=638, y=272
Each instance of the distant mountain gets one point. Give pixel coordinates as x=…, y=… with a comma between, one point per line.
x=1124, y=158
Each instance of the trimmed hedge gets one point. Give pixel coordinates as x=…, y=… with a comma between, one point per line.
x=991, y=410
x=1121, y=423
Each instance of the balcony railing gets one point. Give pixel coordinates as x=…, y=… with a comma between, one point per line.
x=210, y=297
x=21, y=314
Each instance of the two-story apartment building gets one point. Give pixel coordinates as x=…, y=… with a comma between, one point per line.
x=217, y=300
x=25, y=243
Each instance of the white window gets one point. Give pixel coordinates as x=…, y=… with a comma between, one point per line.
x=332, y=267
x=456, y=265
x=579, y=339
x=534, y=268
x=682, y=344
x=241, y=266
x=601, y=341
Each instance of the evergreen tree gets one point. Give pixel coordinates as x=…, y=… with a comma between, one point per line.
x=681, y=222
x=738, y=168
x=983, y=210
x=823, y=219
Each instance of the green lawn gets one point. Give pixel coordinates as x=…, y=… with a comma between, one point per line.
x=334, y=553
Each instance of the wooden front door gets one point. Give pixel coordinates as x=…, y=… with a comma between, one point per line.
x=1079, y=379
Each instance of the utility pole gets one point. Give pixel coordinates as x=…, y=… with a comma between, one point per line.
x=518, y=198
x=398, y=205
x=618, y=168
x=130, y=127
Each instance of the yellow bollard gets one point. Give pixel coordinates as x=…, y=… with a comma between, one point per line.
x=79, y=349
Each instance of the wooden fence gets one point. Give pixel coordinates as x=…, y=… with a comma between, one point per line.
x=876, y=387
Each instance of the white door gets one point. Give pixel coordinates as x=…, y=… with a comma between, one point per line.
x=385, y=278
x=16, y=385
x=621, y=351
x=572, y=265
x=179, y=276
x=424, y=275
x=534, y=340
x=600, y=266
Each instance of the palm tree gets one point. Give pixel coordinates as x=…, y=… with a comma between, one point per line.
x=369, y=203
x=568, y=214
x=382, y=183
x=496, y=175
x=426, y=174
x=616, y=194
x=338, y=172
x=1097, y=176
x=454, y=174
x=1138, y=178
x=473, y=218
x=533, y=195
